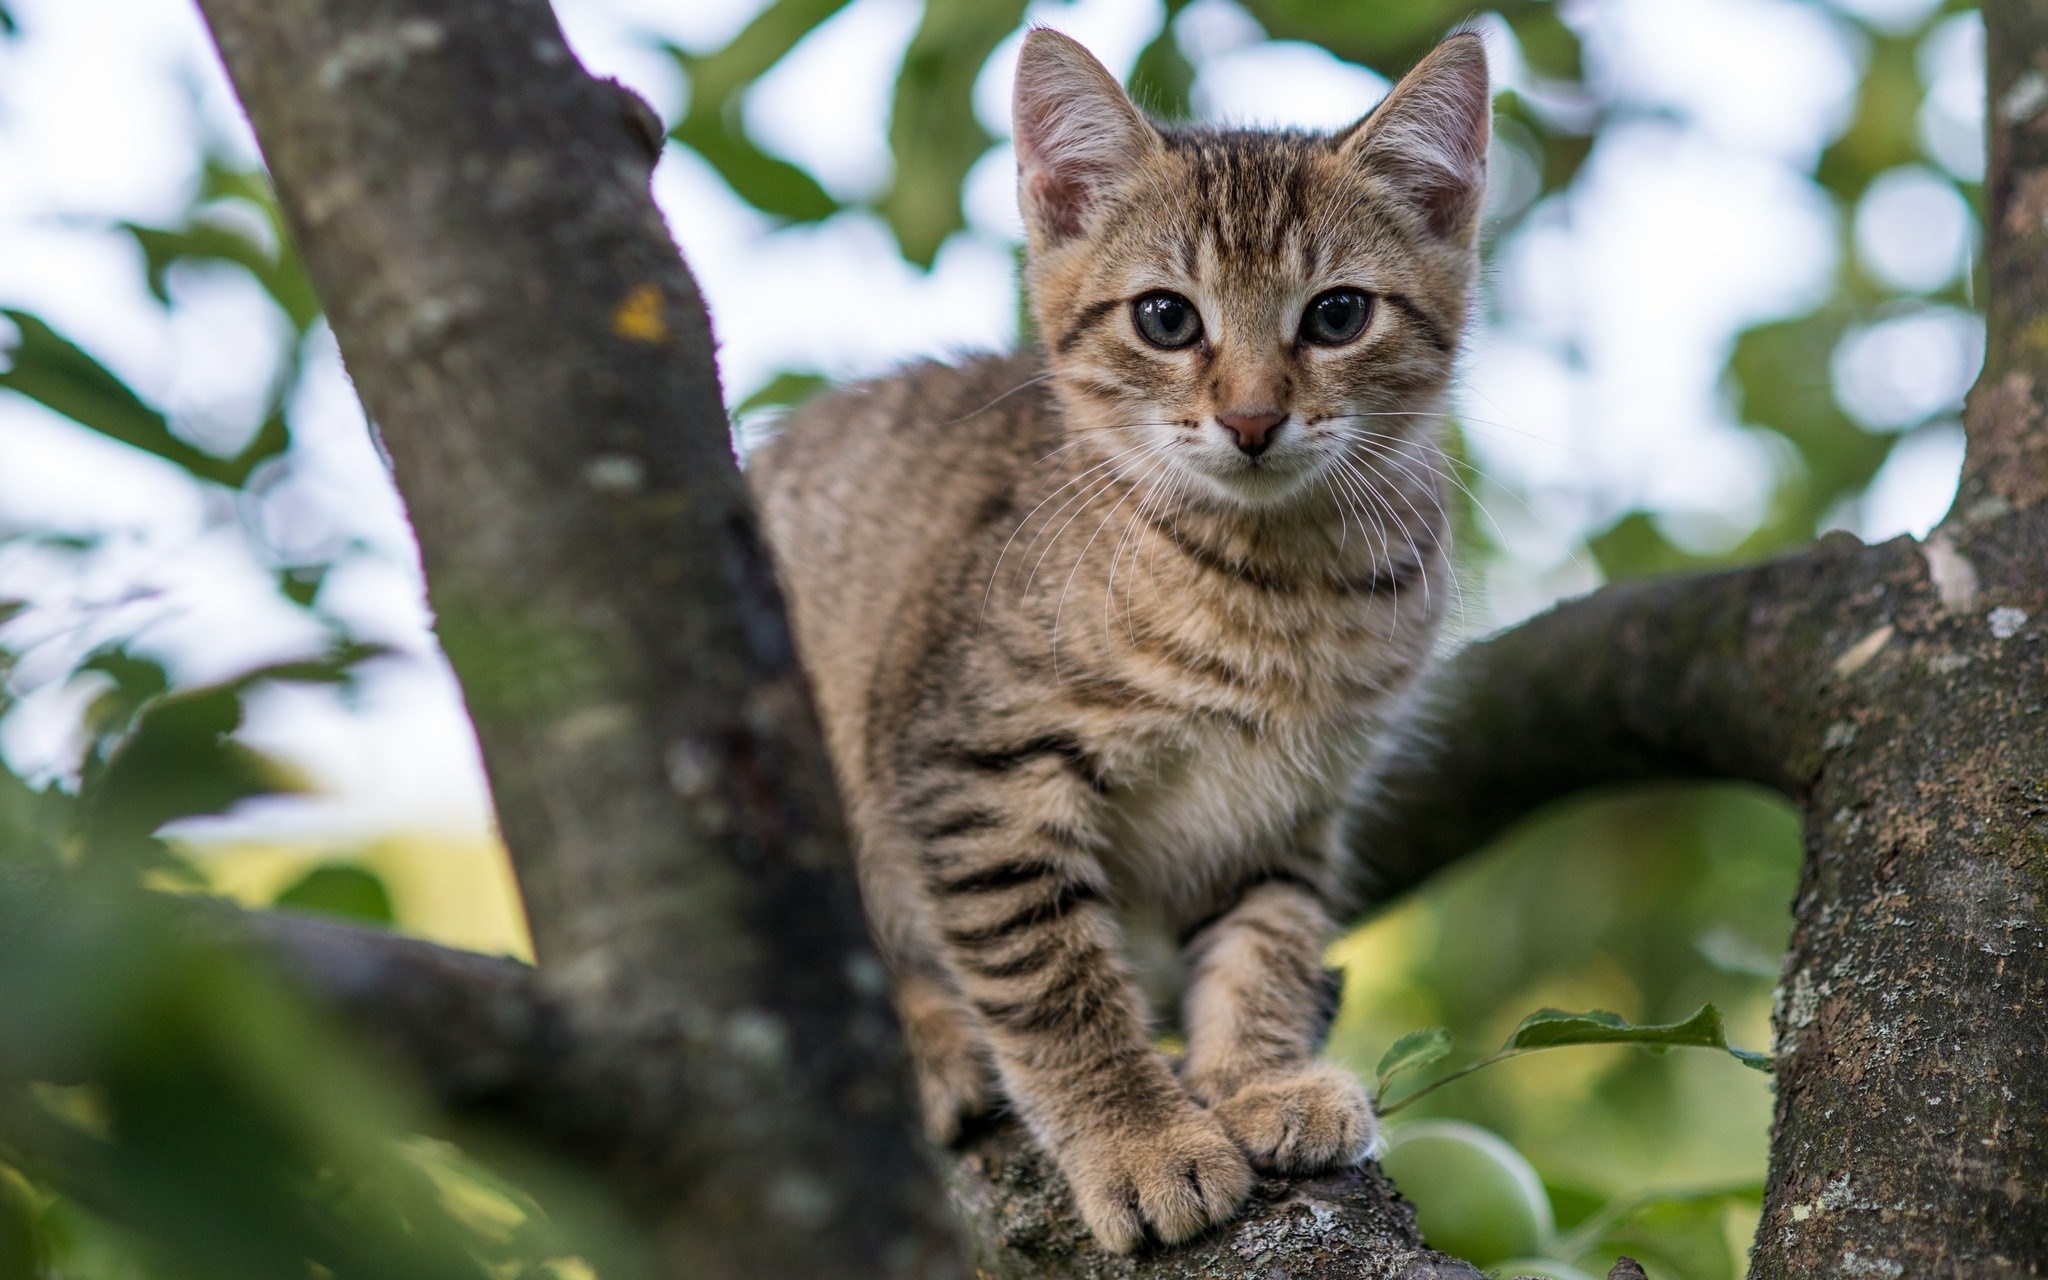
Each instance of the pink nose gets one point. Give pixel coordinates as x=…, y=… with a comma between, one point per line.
x=1253, y=430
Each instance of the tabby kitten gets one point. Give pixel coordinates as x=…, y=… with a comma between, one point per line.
x=1103, y=634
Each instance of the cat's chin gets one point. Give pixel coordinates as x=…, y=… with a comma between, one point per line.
x=1263, y=488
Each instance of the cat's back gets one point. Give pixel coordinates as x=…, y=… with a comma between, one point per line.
x=876, y=497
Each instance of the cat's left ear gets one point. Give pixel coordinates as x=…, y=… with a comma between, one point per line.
x=1078, y=134
x=1428, y=137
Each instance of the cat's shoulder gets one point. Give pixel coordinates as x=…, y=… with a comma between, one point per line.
x=976, y=395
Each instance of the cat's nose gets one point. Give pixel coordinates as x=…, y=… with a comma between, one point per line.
x=1254, y=430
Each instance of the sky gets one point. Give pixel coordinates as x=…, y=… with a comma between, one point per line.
x=1591, y=386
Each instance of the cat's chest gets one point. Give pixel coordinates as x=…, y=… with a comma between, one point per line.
x=1217, y=800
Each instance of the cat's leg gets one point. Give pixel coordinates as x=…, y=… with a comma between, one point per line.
x=948, y=1053
x=1017, y=893
x=955, y=1079
x=1258, y=1003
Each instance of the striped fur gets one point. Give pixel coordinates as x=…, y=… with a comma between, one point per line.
x=1084, y=662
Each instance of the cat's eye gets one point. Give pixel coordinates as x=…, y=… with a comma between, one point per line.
x=1166, y=320
x=1336, y=317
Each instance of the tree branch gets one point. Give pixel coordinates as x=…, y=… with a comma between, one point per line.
x=474, y=1029
x=2007, y=418
x=1707, y=676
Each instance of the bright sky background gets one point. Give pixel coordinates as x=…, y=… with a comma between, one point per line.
x=1591, y=389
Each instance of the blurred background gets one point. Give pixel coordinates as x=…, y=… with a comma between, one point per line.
x=1729, y=305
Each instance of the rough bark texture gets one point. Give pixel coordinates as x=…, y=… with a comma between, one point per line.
x=1910, y=1136
x=706, y=1023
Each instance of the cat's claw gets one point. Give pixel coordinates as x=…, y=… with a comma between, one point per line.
x=1171, y=1183
x=1320, y=1118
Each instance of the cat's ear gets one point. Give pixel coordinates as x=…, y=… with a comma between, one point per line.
x=1077, y=134
x=1428, y=137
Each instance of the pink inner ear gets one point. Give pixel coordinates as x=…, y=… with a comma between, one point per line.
x=1430, y=137
x=1077, y=135
x=1444, y=197
x=1059, y=201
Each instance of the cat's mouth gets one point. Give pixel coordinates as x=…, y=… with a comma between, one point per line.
x=1268, y=478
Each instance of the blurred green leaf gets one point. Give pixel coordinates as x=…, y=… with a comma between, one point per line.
x=711, y=122
x=19, y=1253
x=1411, y=1052
x=50, y=369
x=134, y=681
x=1680, y=1232
x=933, y=133
x=1162, y=77
x=784, y=390
x=773, y=186
x=231, y=1131
x=1475, y=1196
x=340, y=889
x=280, y=274
x=179, y=761
x=1883, y=130
x=301, y=583
x=1390, y=38
x=160, y=755
x=1634, y=546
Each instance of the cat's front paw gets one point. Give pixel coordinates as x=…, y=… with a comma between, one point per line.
x=1175, y=1180
x=1319, y=1118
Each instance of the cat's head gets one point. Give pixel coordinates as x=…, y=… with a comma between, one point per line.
x=1240, y=310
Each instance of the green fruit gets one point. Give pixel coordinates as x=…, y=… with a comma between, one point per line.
x=1475, y=1197
x=1542, y=1268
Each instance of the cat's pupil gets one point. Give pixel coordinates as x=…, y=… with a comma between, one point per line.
x=1336, y=317
x=1167, y=320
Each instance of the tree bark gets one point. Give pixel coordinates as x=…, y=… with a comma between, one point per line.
x=706, y=1024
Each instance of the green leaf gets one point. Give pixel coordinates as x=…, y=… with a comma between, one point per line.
x=933, y=133
x=773, y=186
x=784, y=390
x=340, y=889
x=179, y=762
x=1552, y=1028
x=50, y=369
x=711, y=124
x=1413, y=1051
x=281, y=275
x=1162, y=77
x=301, y=583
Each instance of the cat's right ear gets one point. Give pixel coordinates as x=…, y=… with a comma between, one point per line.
x=1428, y=138
x=1077, y=134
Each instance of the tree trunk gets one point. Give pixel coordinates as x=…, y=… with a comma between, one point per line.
x=706, y=1024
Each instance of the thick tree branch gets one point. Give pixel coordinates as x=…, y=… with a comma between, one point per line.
x=1711, y=676
x=474, y=1029
x=2007, y=419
